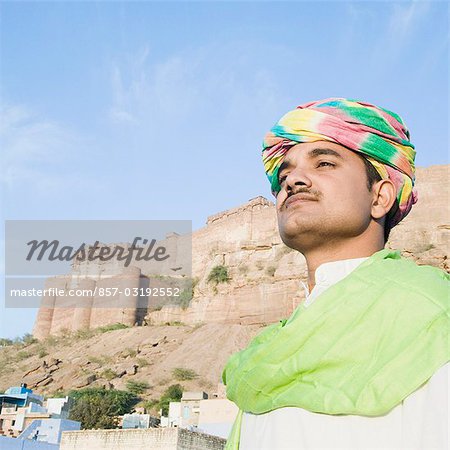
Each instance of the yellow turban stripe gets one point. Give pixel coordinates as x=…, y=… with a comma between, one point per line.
x=378, y=134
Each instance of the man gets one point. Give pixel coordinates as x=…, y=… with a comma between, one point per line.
x=362, y=363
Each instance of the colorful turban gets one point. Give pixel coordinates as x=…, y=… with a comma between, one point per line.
x=379, y=135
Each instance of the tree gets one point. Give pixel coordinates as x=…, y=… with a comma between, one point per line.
x=172, y=394
x=99, y=408
x=28, y=339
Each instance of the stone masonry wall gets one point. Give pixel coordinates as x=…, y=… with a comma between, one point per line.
x=140, y=439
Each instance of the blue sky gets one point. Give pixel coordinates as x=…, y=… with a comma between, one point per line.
x=151, y=110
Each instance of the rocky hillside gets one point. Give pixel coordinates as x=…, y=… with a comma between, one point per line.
x=111, y=358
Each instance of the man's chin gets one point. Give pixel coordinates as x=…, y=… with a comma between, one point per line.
x=296, y=242
x=299, y=235
x=294, y=228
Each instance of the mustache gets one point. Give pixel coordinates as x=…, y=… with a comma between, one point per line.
x=311, y=192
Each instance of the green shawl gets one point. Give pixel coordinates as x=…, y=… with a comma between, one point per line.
x=361, y=348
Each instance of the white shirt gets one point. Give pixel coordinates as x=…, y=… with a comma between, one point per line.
x=420, y=422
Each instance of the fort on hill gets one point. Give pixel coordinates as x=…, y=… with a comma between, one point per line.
x=263, y=276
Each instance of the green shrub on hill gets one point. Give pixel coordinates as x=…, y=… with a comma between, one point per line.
x=182, y=374
x=108, y=374
x=4, y=342
x=112, y=327
x=137, y=387
x=26, y=339
x=98, y=408
x=218, y=274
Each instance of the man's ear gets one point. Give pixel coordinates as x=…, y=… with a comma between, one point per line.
x=384, y=195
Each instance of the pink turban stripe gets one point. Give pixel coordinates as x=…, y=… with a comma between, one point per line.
x=376, y=133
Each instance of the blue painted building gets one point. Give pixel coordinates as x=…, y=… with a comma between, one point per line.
x=33, y=424
x=7, y=443
x=19, y=397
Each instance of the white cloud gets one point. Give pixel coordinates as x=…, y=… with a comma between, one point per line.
x=119, y=115
x=36, y=152
x=26, y=139
x=223, y=79
x=403, y=21
x=405, y=17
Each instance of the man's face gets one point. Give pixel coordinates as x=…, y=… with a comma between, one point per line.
x=324, y=196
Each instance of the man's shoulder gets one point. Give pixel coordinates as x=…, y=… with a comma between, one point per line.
x=395, y=272
x=392, y=260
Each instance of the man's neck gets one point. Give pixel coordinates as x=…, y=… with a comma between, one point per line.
x=316, y=257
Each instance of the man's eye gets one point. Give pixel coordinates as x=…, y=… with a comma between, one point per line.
x=282, y=179
x=325, y=164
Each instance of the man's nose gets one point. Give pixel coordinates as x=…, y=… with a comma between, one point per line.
x=297, y=177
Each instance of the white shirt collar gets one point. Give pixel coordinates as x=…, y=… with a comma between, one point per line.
x=328, y=274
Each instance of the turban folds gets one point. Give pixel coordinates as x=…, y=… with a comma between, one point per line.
x=379, y=135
